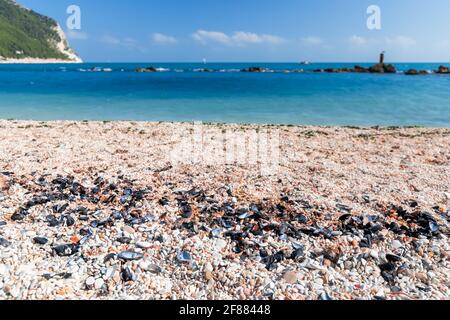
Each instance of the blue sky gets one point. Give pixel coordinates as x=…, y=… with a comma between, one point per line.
x=254, y=30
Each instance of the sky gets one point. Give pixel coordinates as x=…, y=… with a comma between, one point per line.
x=253, y=30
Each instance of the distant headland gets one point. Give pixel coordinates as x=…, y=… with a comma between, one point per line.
x=29, y=37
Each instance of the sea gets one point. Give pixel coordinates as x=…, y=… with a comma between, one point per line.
x=180, y=92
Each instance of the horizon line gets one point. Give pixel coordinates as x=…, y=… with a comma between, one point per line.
x=290, y=62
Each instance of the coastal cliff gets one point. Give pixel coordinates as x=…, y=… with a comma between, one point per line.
x=29, y=37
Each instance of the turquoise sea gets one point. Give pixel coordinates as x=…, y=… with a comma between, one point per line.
x=180, y=93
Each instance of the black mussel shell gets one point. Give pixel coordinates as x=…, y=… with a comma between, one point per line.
x=40, y=240
x=66, y=250
x=127, y=275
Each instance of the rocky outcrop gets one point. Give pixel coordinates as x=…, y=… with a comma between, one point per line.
x=334, y=70
x=443, y=70
x=359, y=69
x=383, y=68
x=204, y=70
x=255, y=69
x=64, y=47
x=148, y=69
x=378, y=68
x=29, y=37
x=414, y=72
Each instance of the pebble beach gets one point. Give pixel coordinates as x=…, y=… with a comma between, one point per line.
x=97, y=210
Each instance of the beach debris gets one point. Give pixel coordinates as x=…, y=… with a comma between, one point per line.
x=184, y=256
x=130, y=255
x=66, y=250
x=324, y=296
x=285, y=233
x=109, y=257
x=90, y=283
x=40, y=240
x=19, y=215
x=127, y=275
x=290, y=277
x=124, y=240
x=4, y=243
x=4, y=182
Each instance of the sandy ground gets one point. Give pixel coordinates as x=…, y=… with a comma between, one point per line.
x=320, y=173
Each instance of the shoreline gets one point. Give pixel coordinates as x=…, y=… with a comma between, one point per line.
x=221, y=124
x=98, y=210
x=38, y=61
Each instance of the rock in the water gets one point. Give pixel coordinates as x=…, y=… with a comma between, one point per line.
x=383, y=68
x=443, y=70
x=148, y=69
x=414, y=72
x=255, y=69
x=204, y=70
x=359, y=69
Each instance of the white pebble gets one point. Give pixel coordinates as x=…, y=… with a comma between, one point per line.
x=90, y=282
x=98, y=283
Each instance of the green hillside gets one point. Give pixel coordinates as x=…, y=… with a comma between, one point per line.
x=25, y=33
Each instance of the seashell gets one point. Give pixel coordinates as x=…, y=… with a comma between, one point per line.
x=130, y=255
x=184, y=256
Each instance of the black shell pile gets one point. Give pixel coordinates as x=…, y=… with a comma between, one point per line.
x=101, y=206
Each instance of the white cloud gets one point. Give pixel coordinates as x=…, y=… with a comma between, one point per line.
x=128, y=43
x=239, y=38
x=357, y=40
x=160, y=38
x=312, y=41
x=242, y=37
x=76, y=35
x=204, y=37
x=401, y=41
x=111, y=40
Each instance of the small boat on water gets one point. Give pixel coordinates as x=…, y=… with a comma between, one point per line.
x=305, y=62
